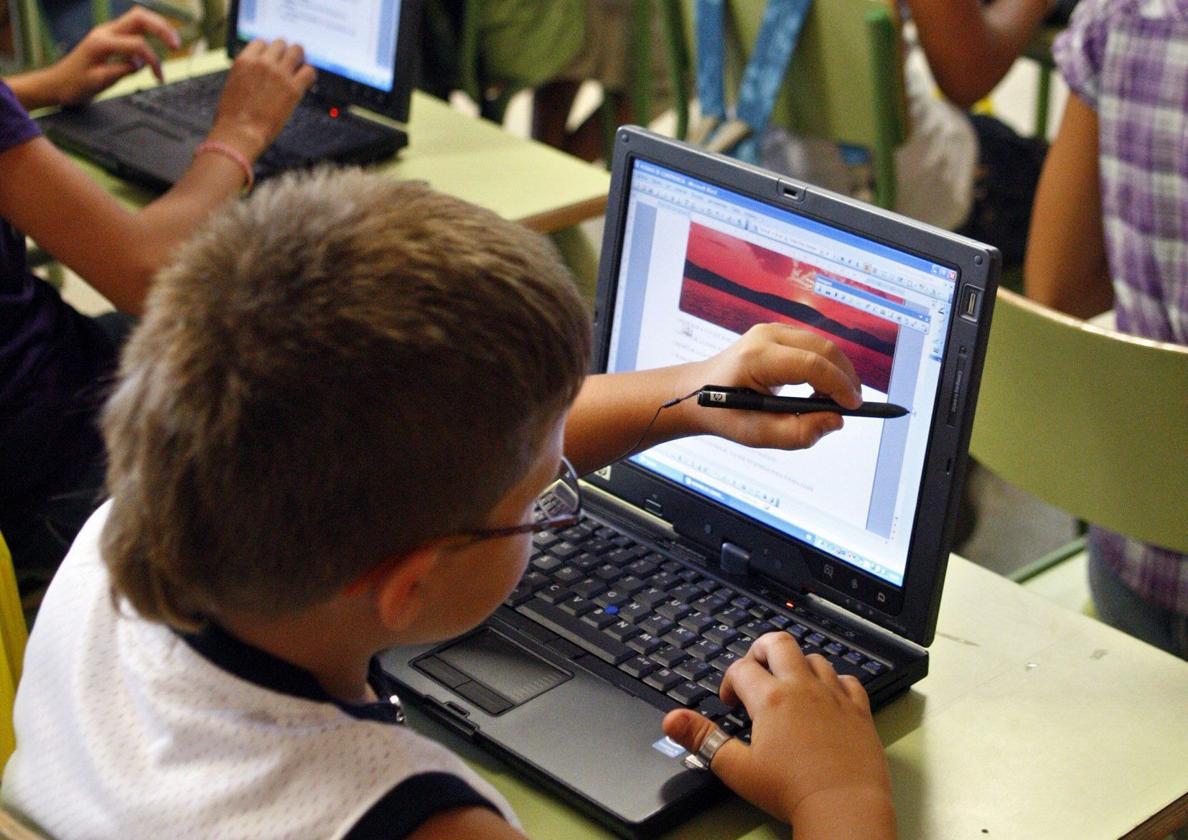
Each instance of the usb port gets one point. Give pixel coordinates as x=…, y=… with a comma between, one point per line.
x=970, y=303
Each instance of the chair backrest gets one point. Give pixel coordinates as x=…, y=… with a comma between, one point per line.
x=846, y=82
x=1092, y=421
x=13, y=635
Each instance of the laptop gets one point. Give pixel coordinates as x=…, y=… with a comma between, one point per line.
x=690, y=550
x=364, y=53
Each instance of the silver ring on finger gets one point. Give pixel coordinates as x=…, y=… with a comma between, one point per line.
x=710, y=745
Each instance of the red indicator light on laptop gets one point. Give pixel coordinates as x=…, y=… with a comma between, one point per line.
x=334, y=112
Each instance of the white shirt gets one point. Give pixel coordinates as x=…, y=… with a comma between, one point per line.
x=124, y=729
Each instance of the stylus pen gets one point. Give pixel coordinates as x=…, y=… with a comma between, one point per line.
x=721, y=396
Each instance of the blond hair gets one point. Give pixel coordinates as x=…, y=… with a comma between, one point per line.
x=329, y=374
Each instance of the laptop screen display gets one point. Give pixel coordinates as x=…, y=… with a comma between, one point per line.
x=700, y=265
x=353, y=38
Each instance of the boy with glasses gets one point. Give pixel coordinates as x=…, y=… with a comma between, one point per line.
x=340, y=420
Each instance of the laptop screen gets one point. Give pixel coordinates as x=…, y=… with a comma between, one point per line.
x=356, y=40
x=700, y=265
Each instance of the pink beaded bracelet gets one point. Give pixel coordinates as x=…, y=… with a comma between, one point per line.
x=232, y=153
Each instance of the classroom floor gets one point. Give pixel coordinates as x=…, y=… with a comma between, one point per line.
x=1011, y=528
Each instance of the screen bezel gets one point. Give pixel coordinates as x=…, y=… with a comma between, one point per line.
x=340, y=90
x=910, y=610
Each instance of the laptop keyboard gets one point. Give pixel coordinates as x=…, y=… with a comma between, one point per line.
x=658, y=620
x=309, y=135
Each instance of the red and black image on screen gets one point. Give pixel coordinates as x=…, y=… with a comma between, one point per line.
x=737, y=284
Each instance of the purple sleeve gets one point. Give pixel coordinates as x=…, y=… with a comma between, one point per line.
x=16, y=126
x=1079, y=51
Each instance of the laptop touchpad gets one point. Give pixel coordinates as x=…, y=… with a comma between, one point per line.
x=491, y=671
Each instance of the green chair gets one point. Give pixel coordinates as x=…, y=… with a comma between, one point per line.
x=1092, y=421
x=846, y=81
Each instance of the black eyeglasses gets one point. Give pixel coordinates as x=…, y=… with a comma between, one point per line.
x=559, y=506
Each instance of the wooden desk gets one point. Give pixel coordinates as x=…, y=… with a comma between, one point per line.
x=519, y=179
x=1034, y=722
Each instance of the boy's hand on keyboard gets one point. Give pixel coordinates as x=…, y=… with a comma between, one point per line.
x=109, y=52
x=814, y=759
x=264, y=86
x=767, y=357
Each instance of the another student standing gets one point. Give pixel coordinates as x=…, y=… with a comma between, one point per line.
x=1111, y=228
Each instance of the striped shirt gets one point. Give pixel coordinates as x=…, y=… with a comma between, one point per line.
x=1128, y=60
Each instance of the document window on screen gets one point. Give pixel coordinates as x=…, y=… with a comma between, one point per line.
x=353, y=38
x=701, y=265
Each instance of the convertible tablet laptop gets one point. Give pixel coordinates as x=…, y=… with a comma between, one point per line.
x=364, y=55
x=690, y=550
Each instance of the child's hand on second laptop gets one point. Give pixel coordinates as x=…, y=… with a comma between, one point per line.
x=769, y=356
x=815, y=759
x=265, y=84
x=109, y=52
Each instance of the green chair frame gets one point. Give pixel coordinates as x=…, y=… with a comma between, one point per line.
x=1092, y=421
x=846, y=81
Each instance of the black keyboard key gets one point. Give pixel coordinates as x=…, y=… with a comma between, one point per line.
x=644, y=643
x=673, y=610
x=697, y=622
x=720, y=634
x=586, y=562
x=874, y=668
x=641, y=567
x=665, y=581
x=588, y=589
x=668, y=656
x=780, y=621
x=743, y=602
x=544, y=539
x=686, y=594
x=797, y=631
x=704, y=650
x=721, y=663
x=578, y=533
x=630, y=584
x=835, y=649
x=761, y=612
x=638, y=667
x=814, y=639
x=599, y=618
x=663, y=679
x=692, y=669
x=605, y=533
x=608, y=572
x=688, y=693
x=755, y=629
x=689, y=575
x=712, y=681
x=621, y=631
x=656, y=625
x=651, y=596
x=597, y=547
x=740, y=645
x=709, y=604
x=680, y=637
x=568, y=575
x=577, y=606
x=609, y=598
x=554, y=593
x=546, y=563
x=518, y=595
x=634, y=612
x=564, y=550
x=854, y=656
x=732, y=617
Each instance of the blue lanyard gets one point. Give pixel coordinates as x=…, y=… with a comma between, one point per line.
x=779, y=32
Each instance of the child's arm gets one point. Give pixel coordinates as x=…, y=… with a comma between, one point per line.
x=612, y=410
x=815, y=759
x=49, y=198
x=1066, y=266
x=109, y=52
x=970, y=46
